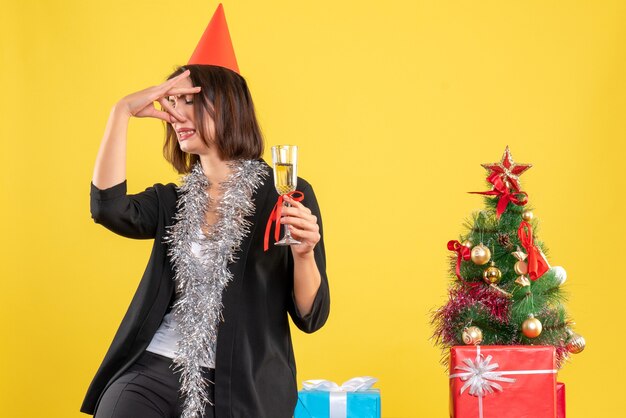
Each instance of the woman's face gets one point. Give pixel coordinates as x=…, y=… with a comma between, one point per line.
x=189, y=140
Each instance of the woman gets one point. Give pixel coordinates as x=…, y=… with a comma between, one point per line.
x=207, y=330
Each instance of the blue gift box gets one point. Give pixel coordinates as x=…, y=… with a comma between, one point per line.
x=316, y=404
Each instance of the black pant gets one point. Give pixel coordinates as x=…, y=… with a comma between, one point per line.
x=149, y=389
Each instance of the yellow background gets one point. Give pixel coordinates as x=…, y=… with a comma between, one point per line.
x=394, y=105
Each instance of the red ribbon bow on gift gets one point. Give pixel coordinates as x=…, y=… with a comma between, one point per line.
x=537, y=263
x=275, y=217
x=463, y=252
x=500, y=189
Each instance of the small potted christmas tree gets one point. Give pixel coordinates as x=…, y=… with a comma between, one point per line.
x=504, y=322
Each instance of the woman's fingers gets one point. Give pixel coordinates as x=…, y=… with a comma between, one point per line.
x=182, y=90
x=160, y=114
x=166, y=85
x=170, y=109
x=300, y=223
x=296, y=204
x=139, y=103
x=301, y=212
x=163, y=88
x=309, y=237
x=152, y=112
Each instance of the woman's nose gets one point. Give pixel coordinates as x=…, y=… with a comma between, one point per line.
x=181, y=109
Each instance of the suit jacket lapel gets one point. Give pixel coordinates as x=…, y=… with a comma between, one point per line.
x=231, y=297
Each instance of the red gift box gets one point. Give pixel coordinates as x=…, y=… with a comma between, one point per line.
x=560, y=400
x=492, y=381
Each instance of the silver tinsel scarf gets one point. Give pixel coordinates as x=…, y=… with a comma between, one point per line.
x=200, y=283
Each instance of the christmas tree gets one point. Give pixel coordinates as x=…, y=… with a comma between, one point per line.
x=503, y=290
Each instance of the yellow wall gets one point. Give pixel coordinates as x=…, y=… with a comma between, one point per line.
x=399, y=100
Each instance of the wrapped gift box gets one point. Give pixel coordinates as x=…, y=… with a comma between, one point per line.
x=502, y=382
x=560, y=400
x=324, y=399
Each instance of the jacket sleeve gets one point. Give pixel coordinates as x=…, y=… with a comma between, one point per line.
x=129, y=215
x=315, y=319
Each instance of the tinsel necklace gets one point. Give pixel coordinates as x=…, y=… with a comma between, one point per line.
x=200, y=282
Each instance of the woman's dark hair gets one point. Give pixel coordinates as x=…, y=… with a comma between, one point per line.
x=226, y=98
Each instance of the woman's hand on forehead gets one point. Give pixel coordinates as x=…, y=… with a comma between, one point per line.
x=141, y=104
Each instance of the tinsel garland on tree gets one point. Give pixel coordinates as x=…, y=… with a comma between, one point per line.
x=503, y=290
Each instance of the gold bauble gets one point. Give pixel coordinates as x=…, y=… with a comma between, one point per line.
x=532, y=327
x=481, y=254
x=492, y=275
x=575, y=343
x=472, y=336
x=519, y=254
x=522, y=281
x=467, y=243
x=527, y=215
x=521, y=268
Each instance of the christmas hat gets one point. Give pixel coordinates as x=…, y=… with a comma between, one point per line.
x=215, y=46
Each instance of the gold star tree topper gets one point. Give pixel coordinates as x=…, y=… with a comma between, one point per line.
x=508, y=171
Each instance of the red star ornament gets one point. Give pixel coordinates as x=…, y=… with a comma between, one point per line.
x=507, y=169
